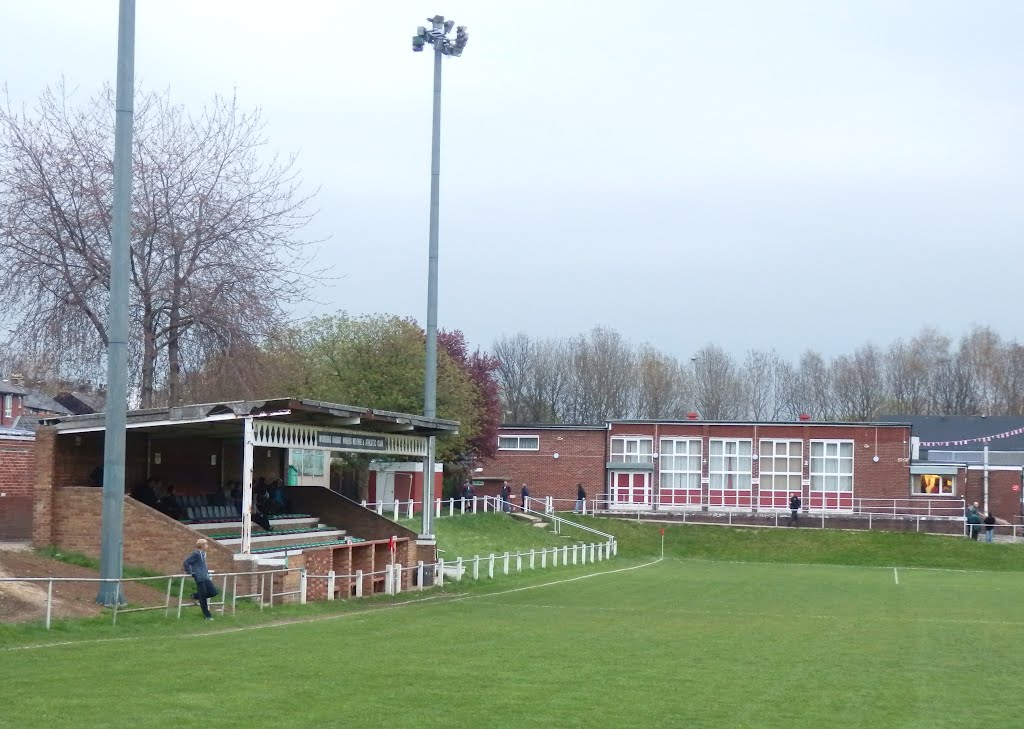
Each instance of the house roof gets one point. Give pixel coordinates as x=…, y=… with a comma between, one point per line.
x=16, y=434
x=227, y=415
x=81, y=403
x=952, y=430
x=44, y=403
x=9, y=388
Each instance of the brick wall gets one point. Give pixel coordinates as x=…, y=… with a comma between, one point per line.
x=17, y=460
x=581, y=459
x=1003, y=501
x=151, y=539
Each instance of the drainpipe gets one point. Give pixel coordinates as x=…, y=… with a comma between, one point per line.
x=985, y=487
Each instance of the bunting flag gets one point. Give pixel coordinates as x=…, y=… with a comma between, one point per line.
x=968, y=441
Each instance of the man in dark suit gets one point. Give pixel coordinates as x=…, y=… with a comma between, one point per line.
x=794, y=510
x=195, y=565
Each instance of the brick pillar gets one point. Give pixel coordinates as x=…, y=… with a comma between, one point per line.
x=43, y=484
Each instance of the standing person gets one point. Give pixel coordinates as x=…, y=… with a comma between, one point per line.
x=974, y=520
x=195, y=565
x=506, y=495
x=525, y=492
x=794, y=510
x=990, y=525
x=581, y=500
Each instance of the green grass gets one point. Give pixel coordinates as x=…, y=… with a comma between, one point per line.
x=482, y=534
x=735, y=628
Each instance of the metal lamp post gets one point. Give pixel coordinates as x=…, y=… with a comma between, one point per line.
x=437, y=37
x=115, y=412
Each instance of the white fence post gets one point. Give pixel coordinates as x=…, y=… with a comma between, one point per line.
x=476, y=566
x=49, y=602
x=389, y=580
x=475, y=500
x=593, y=552
x=397, y=572
x=565, y=555
x=506, y=563
x=396, y=510
x=459, y=570
x=554, y=556
x=532, y=555
x=439, y=577
x=412, y=504
x=543, y=559
x=359, y=583
x=490, y=567
x=549, y=505
x=574, y=555
x=302, y=586
x=519, y=562
x=330, y=584
x=419, y=574
x=363, y=503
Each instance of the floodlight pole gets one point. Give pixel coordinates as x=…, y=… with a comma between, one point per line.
x=430, y=378
x=115, y=412
x=435, y=36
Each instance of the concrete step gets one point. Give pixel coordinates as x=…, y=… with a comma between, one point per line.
x=271, y=553
x=285, y=522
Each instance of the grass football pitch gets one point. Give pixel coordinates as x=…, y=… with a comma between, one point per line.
x=626, y=643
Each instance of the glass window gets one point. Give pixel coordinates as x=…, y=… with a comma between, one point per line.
x=781, y=464
x=309, y=462
x=832, y=465
x=729, y=464
x=679, y=463
x=934, y=484
x=8, y=406
x=518, y=443
x=633, y=450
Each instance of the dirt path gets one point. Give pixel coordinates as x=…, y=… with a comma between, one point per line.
x=23, y=601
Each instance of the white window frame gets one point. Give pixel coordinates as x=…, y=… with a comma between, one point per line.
x=298, y=461
x=8, y=406
x=718, y=471
x=915, y=483
x=827, y=466
x=690, y=473
x=519, y=443
x=632, y=449
x=766, y=452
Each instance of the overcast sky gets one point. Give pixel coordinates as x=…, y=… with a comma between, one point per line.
x=784, y=174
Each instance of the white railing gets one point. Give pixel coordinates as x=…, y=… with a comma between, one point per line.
x=395, y=509
x=396, y=577
x=952, y=508
x=266, y=597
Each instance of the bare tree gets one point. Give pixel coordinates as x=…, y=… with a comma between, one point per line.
x=215, y=252
x=718, y=389
x=516, y=356
x=661, y=385
x=763, y=376
x=807, y=389
x=603, y=381
x=859, y=383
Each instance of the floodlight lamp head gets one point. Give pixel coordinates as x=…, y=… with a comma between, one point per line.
x=448, y=25
x=417, y=44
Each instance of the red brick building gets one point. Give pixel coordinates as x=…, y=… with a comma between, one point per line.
x=667, y=466
x=12, y=403
x=17, y=463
